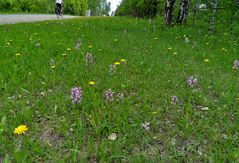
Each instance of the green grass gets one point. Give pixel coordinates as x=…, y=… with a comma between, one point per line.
x=158, y=64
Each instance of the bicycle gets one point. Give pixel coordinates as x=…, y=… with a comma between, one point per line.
x=59, y=11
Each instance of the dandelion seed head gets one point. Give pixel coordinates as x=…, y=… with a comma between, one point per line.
x=52, y=62
x=38, y=45
x=145, y=126
x=186, y=40
x=78, y=44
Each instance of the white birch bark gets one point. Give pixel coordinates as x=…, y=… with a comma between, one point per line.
x=182, y=12
x=213, y=19
x=195, y=9
x=169, y=11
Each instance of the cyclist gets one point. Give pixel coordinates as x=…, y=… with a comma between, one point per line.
x=58, y=10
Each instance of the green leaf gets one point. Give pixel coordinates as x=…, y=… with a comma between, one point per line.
x=1, y=130
x=4, y=120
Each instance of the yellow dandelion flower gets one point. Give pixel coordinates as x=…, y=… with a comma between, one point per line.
x=64, y=54
x=117, y=63
x=123, y=60
x=90, y=46
x=175, y=53
x=18, y=54
x=8, y=43
x=154, y=113
x=170, y=48
x=206, y=60
x=53, y=67
x=20, y=129
x=155, y=38
x=91, y=83
x=69, y=49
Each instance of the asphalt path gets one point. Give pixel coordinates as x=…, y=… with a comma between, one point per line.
x=19, y=18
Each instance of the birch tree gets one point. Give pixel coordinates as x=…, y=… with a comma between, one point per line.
x=195, y=10
x=182, y=12
x=214, y=4
x=169, y=11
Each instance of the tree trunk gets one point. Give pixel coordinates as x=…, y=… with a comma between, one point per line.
x=195, y=10
x=212, y=19
x=169, y=11
x=183, y=10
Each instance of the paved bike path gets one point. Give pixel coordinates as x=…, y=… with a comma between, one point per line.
x=19, y=18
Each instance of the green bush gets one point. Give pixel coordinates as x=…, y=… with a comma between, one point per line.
x=139, y=8
x=6, y=5
x=75, y=7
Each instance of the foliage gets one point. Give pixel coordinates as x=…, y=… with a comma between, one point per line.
x=139, y=8
x=99, y=7
x=227, y=11
x=75, y=7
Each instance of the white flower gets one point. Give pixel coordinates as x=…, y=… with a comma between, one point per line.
x=112, y=136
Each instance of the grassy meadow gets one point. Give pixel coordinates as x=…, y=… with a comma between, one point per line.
x=153, y=112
